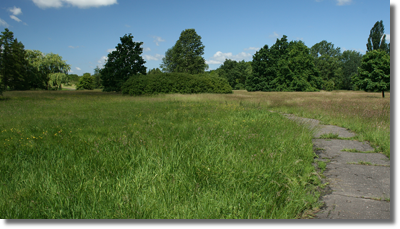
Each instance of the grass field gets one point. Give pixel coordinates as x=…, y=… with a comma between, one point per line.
x=88, y=154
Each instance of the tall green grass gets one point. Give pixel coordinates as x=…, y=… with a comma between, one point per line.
x=71, y=154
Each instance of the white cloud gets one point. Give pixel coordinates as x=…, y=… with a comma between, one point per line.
x=155, y=57
x=102, y=61
x=78, y=69
x=3, y=23
x=220, y=57
x=78, y=3
x=73, y=47
x=15, y=10
x=343, y=2
x=387, y=37
x=147, y=49
x=274, y=35
x=157, y=40
x=111, y=50
x=251, y=48
x=126, y=25
x=15, y=18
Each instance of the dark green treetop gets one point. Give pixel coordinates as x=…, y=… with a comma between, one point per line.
x=377, y=38
x=374, y=72
x=186, y=55
x=122, y=63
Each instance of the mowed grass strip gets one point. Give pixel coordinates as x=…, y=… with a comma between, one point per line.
x=72, y=154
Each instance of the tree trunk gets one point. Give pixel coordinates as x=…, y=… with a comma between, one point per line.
x=383, y=94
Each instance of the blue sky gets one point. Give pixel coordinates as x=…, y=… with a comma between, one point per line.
x=84, y=31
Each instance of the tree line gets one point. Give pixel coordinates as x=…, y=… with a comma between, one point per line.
x=285, y=66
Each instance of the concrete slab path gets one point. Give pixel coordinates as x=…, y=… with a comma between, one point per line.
x=359, y=182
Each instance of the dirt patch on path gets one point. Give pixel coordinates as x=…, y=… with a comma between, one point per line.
x=359, y=180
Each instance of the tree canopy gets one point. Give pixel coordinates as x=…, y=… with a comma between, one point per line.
x=122, y=63
x=186, y=55
x=351, y=60
x=374, y=72
x=283, y=67
x=327, y=61
x=377, y=38
x=235, y=72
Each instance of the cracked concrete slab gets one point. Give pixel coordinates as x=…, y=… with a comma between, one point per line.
x=345, y=207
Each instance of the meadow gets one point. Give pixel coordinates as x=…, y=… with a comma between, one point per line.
x=89, y=154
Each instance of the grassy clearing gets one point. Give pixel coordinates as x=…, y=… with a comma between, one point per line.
x=88, y=154
x=365, y=113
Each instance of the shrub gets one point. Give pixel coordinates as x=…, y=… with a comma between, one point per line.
x=175, y=83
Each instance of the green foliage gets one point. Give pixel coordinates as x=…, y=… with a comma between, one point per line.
x=377, y=38
x=329, y=85
x=186, y=55
x=13, y=65
x=374, y=72
x=235, y=72
x=56, y=79
x=73, y=78
x=154, y=71
x=351, y=60
x=122, y=63
x=86, y=82
x=327, y=61
x=283, y=67
x=175, y=83
x=43, y=66
x=97, y=82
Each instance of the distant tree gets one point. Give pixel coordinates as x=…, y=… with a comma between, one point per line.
x=327, y=61
x=235, y=72
x=296, y=71
x=283, y=67
x=122, y=63
x=154, y=71
x=97, y=78
x=186, y=55
x=377, y=38
x=44, y=68
x=264, y=66
x=57, y=79
x=73, y=78
x=374, y=72
x=351, y=60
x=86, y=82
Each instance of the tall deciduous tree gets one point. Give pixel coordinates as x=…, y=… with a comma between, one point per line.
x=327, y=61
x=351, y=60
x=186, y=54
x=122, y=63
x=45, y=67
x=377, y=38
x=235, y=72
x=283, y=67
x=374, y=72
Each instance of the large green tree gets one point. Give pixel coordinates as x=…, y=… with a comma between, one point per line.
x=265, y=66
x=327, y=61
x=377, y=38
x=122, y=63
x=374, y=72
x=186, y=55
x=48, y=70
x=283, y=67
x=235, y=72
x=13, y=65
x=351, y=60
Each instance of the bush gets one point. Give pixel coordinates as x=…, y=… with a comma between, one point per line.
x=175, y=83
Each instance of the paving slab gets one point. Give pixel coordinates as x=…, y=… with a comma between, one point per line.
x=345, y=207
x=358, y=180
